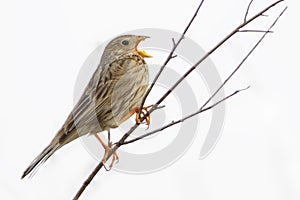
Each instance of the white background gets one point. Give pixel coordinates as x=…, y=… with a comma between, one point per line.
x=43, y=45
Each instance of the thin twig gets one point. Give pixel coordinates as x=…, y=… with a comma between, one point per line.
x=173, y=56
x=173, y=41
x=170, y=56
x=247, y=11
x=255, y=31
x=126, y=135
x=185, y=118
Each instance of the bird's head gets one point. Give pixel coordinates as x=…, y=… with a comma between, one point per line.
x=125, y=44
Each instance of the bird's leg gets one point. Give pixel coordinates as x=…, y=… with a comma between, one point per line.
x=107, y=148
x=115, y=155
x=137, y=117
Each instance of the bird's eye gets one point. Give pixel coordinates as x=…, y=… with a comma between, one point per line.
x=125, y=42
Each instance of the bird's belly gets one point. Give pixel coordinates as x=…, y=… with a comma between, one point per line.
x=127, y=94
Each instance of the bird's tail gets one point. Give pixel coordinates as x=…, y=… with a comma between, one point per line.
x=58, y=141
x=40, y=159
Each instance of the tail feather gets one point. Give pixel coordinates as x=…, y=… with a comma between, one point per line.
x=40, y=159
x=57, y=142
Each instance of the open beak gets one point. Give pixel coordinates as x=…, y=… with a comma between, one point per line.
x=144, y=54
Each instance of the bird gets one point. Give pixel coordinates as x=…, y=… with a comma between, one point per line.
x=113, y=94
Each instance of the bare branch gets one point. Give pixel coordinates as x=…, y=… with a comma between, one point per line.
x=185, y=118
x=247, y=11
x=255, y=31
x=126, y=135
x=173, y=56
x=160, y=107
x=175, y=45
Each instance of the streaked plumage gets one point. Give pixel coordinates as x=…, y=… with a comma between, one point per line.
x=116, y=87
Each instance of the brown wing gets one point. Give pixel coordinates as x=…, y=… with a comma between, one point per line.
x=85, y=107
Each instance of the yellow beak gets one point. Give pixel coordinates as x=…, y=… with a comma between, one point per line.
x=143, y=54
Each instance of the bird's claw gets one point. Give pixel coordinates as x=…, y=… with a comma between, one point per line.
x=144, y=111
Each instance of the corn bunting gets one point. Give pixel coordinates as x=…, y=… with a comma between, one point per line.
x=113, y=94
